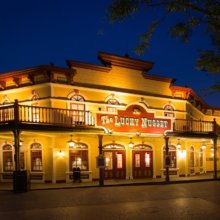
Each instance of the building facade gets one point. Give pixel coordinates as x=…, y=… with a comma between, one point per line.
x=56, y=119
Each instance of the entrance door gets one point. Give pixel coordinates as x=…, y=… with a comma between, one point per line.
x=142, y=164
x=115, y=164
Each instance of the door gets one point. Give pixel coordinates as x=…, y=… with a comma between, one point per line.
x=115, y=164
x=142, y=164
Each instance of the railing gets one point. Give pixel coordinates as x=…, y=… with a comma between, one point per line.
x=44, y=115
x=71, y=118
x=196, y=126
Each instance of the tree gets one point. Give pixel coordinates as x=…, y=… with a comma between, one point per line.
x=191, y=14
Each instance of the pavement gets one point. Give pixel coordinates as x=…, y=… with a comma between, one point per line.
x=183, y=201
x=124, y=182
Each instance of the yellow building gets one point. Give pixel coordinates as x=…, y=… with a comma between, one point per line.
x=56, y=119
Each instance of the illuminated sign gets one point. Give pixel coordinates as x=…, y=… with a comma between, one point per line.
x=134, y=119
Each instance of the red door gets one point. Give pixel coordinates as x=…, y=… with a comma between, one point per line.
x=115, y=165
x=142, y=164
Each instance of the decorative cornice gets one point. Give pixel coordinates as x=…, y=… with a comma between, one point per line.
x=158, y=78
x=73, y=64
x=115, y=60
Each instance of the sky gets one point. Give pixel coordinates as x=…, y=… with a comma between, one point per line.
x=37, y=32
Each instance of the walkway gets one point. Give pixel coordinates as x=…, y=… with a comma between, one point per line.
x=42, y=186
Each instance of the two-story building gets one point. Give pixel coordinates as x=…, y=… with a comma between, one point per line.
x=54, y=119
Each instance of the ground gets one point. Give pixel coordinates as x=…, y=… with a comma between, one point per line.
x=199, y=200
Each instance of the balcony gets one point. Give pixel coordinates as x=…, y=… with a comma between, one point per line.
x=24, y=115
x=45, y=118
x=196, y=127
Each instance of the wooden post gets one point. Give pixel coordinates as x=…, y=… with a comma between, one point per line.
x=167, y=159
x=16, y=111
x=101, y=170
x=17, y=149
x=215, y=157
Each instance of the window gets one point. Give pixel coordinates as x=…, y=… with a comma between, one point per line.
x=108, y=160
x=5, y=113
x=36, y=157
x=147, y=159
x=172, y=156
x=168, y=111
x=35, y=113
x=119, y=161
x=7, y=158
x=78, y=113
x=78, y=156
x=78, y=109
x=111, y=101
x=137, y=160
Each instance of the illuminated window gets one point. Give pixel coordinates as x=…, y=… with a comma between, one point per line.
x=137, y=160
x=35, y=111
x=78, y=157
x=108, y=160
x=36, y=157
x=111, y=101
x=119, y=161
x=7, y=158
x=147, y=159
x=78, y=109
x=5, y=113
x=168, y=111
x=172, y=156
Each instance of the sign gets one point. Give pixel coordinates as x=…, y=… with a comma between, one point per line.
x=134, y=119
x=100, y=161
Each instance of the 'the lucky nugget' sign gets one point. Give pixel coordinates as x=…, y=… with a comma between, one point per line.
x=134, y=118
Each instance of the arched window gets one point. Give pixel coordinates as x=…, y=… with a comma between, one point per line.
x=36, y=157
x=168, y=111
x=111, y=101
x=172, y=156
x=78, y=98
x=78, y=156
x=7, y=158
x=77, y=109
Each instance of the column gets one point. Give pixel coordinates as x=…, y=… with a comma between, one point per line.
x=167, y=159
x=17, y=149
x=101, y=170
x=215, y=157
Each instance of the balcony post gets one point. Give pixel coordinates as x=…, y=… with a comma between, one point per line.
x=167, y=159
x=16, y=111
x=215, y=157
x=101, y=170
x=214, y=126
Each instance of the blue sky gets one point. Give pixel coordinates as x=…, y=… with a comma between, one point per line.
x=35, y=32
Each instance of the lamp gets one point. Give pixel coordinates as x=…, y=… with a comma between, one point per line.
x=130, y=144
x=212, y=148
x=71, y=143
x=21, y=143
x=138, y=133
x=203, y=146
x=178, y=144
x=60, y=153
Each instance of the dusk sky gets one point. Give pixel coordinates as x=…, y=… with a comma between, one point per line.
x=36, y=32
